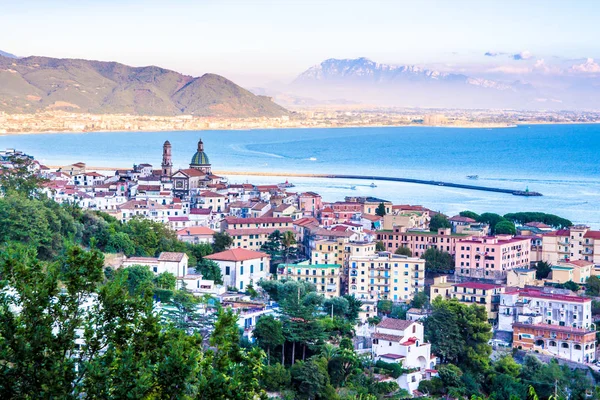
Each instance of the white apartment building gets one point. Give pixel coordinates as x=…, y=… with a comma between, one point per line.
x=241, y=267
x=531, y=306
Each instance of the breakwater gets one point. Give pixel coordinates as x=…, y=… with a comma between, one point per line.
x=389, y=179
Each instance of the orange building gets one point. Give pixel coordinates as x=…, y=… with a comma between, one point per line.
x=575, y=344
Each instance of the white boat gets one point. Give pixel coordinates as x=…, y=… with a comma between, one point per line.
x=373, y=185
x=472, y=176
x=353, y=187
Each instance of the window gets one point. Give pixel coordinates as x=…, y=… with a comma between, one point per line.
x=227, y=270
x=241, y=270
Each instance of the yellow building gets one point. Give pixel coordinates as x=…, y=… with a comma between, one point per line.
x=577, y=271
x=407, y=219
x=441, y=288
x=482, y=294
x=385, y=276
x=328, y=252
x=325, y=277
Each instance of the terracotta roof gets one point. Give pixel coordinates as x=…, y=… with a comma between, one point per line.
x=201, y=211
x=142, y=259
x=394, y=323
x=553, y=296
x=148, y=188
x=458, y=218
x=310, y=194
x=537, y=225
x=547, y=327
x=560, y=232
x=257, y=231
x=178, y=219
x=385, y=336
x=592, y=235
x=259, y=220
x=237, y=254
x=210, y=194
x=372, y=218
x=191, y=172
x=392, y=356
x=578, y=263
x=195, y=230
x=170, y=256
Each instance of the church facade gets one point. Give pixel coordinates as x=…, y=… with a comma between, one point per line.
x=188, y=181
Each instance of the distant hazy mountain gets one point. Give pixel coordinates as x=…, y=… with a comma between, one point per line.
x=42, y=83
x=370, y=82
x=5, y=54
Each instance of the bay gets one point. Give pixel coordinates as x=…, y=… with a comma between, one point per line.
x=559, y=161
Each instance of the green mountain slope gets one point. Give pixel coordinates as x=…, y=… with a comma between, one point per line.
x=41, y=83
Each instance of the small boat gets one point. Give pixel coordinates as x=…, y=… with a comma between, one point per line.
x=373, y=185
x=353, y=187
x=286, y=184
x=472, y=176
x=313, y=159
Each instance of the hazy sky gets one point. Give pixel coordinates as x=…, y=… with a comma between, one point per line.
x=251, y=40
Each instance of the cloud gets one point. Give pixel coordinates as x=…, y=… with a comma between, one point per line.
x=491, y=54
x=524, y=55
x=589, y=66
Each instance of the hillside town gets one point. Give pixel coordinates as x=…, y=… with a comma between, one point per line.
x=380, y=253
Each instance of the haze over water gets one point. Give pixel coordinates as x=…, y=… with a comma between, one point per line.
x=559, y=161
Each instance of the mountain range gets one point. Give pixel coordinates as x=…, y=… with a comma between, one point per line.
x=34, y=84
x=368, y=82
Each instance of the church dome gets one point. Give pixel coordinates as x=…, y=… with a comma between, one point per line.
x=200, y=158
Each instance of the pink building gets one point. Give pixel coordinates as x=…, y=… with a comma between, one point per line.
x=310, y=203
x=419, y=241
x=489, y=257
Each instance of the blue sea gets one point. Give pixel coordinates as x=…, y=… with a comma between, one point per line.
x=559, y=161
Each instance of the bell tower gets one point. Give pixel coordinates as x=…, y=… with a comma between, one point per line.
x=167, y=163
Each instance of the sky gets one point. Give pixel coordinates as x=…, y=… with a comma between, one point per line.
x=258, y=41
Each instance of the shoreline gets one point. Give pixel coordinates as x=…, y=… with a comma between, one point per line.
x=250, y=128
x=466, y=126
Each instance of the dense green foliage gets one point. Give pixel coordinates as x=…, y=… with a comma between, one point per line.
x=592, y=286
x=542, y=269
x=437, y=261
x=548, y=219
x=438, y=221
x=505, y=228
x=403, y=251
x=380, y=210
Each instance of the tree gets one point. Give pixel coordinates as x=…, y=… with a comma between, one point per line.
x=211, y=271
x=542, y=270
x=420, y=300
x=221, y=241
x=276, y=378
x=505, y=228
x=120, y=242
x=437, y=261
x=439, y=221
x=311, y=379
x=385, y=306
x=592, y=286
x=459, y=334
x=403, y=251
x=184, y=312
x=337, y=305
x=354, y=307
x=469, y=214
x=139, y=279
x=19, y=177
x=280, y=246
x=379, y=246
x=491, y=219
x=570, y=285
x=165, y=280
x=268, y=334
x=380, y=210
